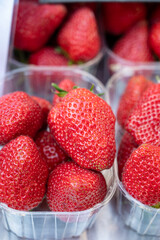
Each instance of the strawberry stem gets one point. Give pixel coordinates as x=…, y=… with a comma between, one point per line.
x=91, y=89
x=58, y=88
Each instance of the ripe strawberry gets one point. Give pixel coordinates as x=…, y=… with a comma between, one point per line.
x=79, y=36
x=72, y=188
x=127, y=145
x=119, y=17
x=36, y=23
x=134, y=89
x=143, y=123
x=45, y=108
x=48, y=56
x=141, y=175
x=23, y=174
x=84, y=126
x=20, y=115
x=133, y=46
x=66, y=85
x=154, y=38
x=49, y=149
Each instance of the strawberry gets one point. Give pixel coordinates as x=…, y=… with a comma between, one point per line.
x=118, y=17
x=48, y=56
x=36, y=23
x=49, y=149
x=45, y=108
x=143, y=123
x=67, y=85
x=134, y=89
x=84, y=126
x=79, y=36
x=133, y=46
x=72, y=188
x=141, y=175
x=19, y=115
x=154, y=38
x=127, y=145
x=23, y=174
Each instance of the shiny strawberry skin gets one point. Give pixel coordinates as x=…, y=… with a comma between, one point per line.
x=36, y=23
x=134, y=89
x=20, y=115
x=126, y=147
x=23, y=174
x=118, y=17
x=141, y=175
x=143, y=123
x=67, y=85
x=154, y=38
x=79, y=36
x=72, y=188
x=45, y=107
x=134, y=46
x=49, y=149
x=84, y=126
x=47, y=56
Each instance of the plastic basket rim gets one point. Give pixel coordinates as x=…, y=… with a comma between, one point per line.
x=89, y=63
x=128, y=71
x=122, y=61
x=52, y=69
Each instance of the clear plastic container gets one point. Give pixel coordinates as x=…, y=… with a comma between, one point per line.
x=91, y=66
x=42, y=223
x=141, y=218
x=114, y=63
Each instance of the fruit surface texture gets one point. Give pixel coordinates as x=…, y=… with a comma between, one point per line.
x=72, y=188
x=141, y=175
x=84, y=125
x=23, y=174
x=19, y=115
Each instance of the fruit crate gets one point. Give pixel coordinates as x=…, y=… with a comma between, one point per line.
x=108, y=222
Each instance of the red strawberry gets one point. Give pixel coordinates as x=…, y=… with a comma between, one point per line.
x=72, y=188
x=79, y=36
x=119, y=17
x=84, y=126
x=36, y=23
x=45, y=107
x=48, y=56
x=143, y=123
x=66, y=85
x=23, y=174
x=154, y=38
x=134, y=89
x=133, y=46
x=49, y=149
x=20, y=115
x=141, y=175
x=127, y=145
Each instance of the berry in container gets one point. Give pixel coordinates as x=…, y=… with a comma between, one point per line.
x=36, y=151
x=134, y=95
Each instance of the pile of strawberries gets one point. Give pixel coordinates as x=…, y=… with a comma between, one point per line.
x=55, y=150
x=133, y=30
x=56, y=34
x=139, y=150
